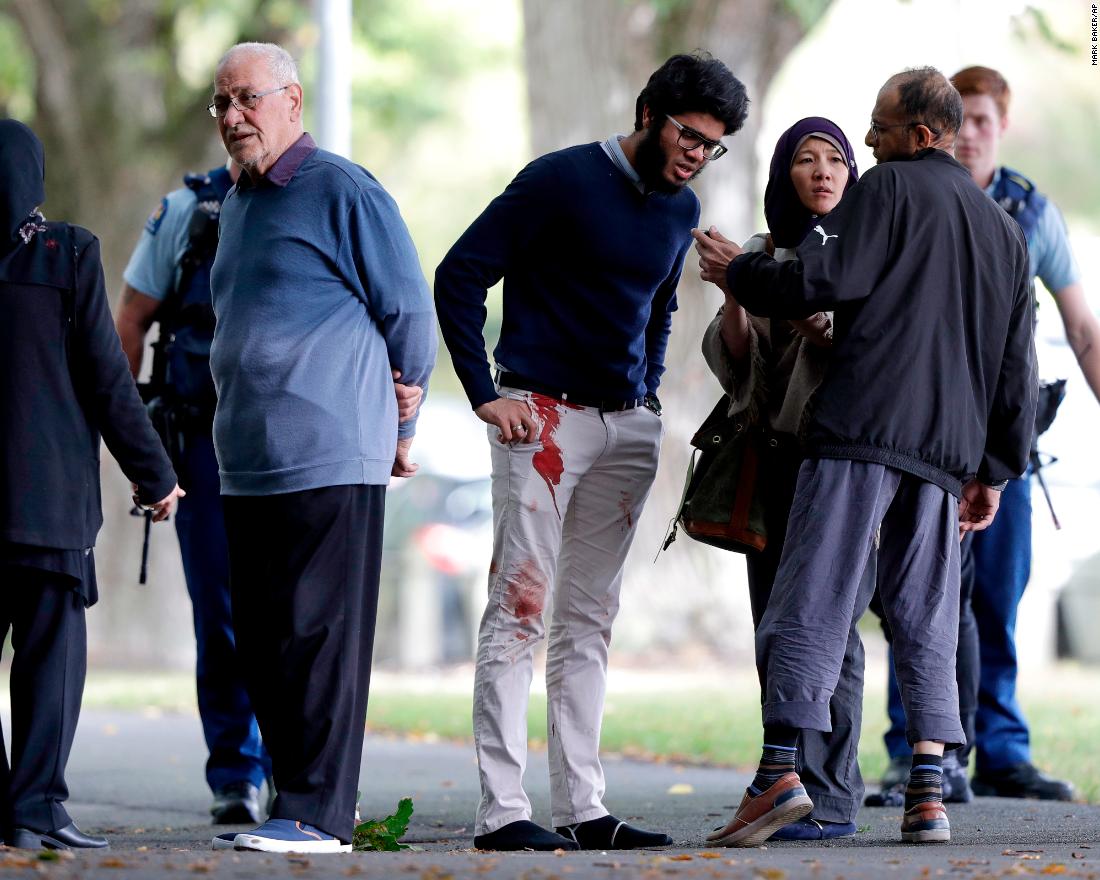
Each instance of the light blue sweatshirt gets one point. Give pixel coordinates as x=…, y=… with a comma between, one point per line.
x=318, y=293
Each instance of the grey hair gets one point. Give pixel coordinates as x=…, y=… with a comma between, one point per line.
x=279, y=61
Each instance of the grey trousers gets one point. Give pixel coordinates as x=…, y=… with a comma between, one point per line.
x=827, y=761
x=839, y=506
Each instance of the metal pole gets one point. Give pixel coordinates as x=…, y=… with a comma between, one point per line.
x=332, y=96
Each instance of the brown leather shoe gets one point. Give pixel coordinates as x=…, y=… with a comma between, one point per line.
x=761, y=816
x=926, y=823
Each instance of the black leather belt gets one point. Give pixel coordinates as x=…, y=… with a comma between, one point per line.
x=514, y=380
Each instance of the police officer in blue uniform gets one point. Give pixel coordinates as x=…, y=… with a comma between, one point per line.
x=168, y=281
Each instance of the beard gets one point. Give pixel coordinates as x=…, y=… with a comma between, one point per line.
x=652, y=159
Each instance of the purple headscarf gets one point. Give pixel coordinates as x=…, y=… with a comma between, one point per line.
x=788, y=219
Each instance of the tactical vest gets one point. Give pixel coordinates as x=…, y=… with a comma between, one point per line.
x=186, y=315
x=1020, y=198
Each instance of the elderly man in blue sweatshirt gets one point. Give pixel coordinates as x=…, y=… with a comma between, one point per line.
x=318, y=295
x=590, y=242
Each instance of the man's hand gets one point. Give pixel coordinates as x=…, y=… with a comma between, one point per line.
x=162, y=508
x=716, y=252
x=977, y=506
x=818, y=329
x=408, y=398
x=513, y=417
x=403, y=465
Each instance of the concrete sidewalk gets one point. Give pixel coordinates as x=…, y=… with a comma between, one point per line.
x=138, y=778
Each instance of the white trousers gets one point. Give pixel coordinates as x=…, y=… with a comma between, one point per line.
x=565, y=508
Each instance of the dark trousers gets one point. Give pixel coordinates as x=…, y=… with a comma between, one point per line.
x=827, y=761
x=839, y=507
x=304, y=570
x=228, y=725
x=50, y=648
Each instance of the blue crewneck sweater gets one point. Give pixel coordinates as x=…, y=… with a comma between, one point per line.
x=590, y=268
x=318, y=292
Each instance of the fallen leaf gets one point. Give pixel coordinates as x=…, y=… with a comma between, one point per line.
x=771, y=873
x=680, y=857
x=710, y=855
x=1054, y=868
x=681, y=788
x=113, y=862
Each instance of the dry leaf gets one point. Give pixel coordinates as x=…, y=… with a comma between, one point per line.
x=680, y=857
x=771, y=873
x=710, y=855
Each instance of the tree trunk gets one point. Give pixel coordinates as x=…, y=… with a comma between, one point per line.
x=586, y=62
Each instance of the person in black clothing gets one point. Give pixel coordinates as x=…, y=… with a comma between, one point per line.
x=63, y=384
x=925, y=411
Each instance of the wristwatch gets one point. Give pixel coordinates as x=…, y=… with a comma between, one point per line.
x=652, y=403
x=997, y=487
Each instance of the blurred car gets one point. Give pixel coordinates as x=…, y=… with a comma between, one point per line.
x=436, y=544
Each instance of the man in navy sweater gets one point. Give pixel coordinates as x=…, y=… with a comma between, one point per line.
x=590, y=242
x=318, y=294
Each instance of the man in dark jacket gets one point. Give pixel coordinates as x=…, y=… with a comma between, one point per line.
x=926, y=410
x=63, y=383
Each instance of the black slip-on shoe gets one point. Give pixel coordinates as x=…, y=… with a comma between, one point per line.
x=607, y=832
x=523, y=834
x=1022, y=781
x=66, y=837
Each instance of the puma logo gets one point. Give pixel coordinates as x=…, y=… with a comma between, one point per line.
x=824, y=236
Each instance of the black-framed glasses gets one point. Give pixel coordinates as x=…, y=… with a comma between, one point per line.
x=221, y=103
x=689, y=139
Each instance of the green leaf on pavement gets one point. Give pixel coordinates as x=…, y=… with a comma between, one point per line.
x=384, y=835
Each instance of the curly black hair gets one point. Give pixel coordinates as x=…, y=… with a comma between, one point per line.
x=696, y=83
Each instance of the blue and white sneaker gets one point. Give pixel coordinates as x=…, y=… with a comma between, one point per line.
x=224, y=841
x=287, y=836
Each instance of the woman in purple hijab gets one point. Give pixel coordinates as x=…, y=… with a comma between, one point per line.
x=769, y=369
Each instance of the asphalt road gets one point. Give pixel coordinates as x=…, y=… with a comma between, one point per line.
x=138, y=778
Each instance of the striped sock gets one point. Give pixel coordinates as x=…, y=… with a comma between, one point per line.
x=925, y=780
x=777, y=758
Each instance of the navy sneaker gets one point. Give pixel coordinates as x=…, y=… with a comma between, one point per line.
x=225, y=841
x=288, y=836
x=812, y=829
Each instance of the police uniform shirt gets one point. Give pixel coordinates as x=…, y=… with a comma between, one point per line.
x=154, y=262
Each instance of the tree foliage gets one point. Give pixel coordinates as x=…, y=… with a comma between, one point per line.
x=117, y=89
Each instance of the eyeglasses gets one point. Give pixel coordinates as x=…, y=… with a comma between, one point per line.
x=878, y=128
x=689, y=139
x=221, y=103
